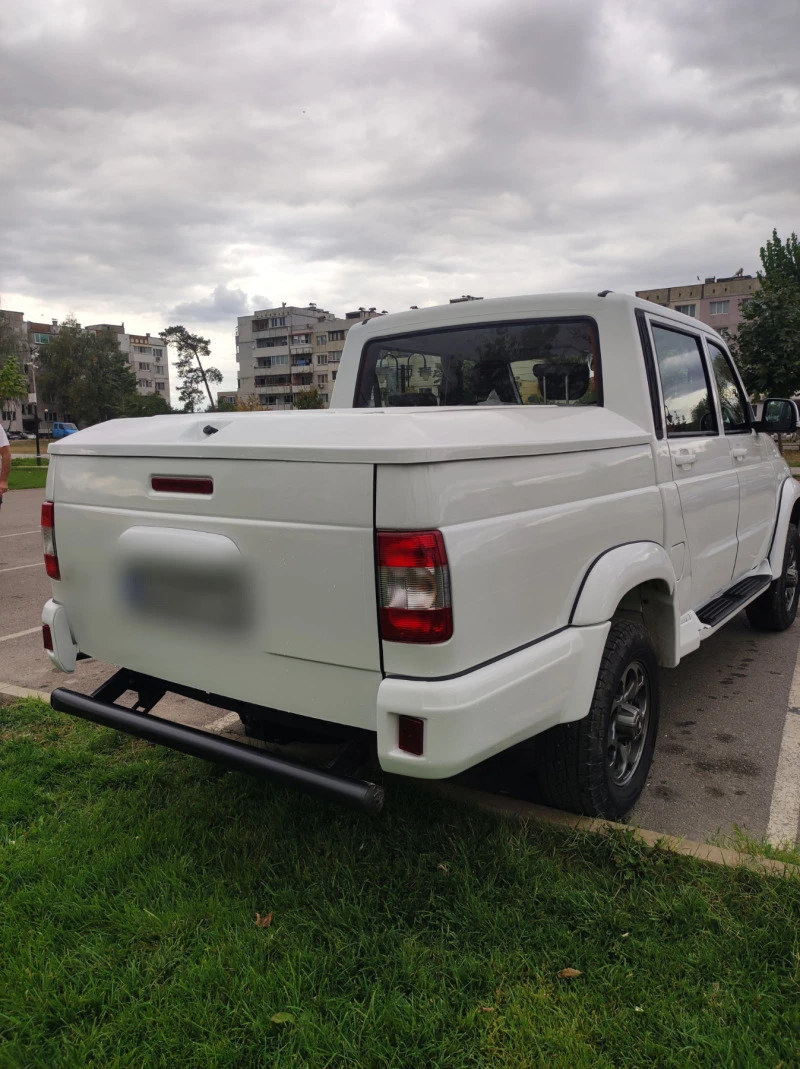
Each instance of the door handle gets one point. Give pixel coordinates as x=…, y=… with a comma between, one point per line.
x=738, y=453
x=685, y=458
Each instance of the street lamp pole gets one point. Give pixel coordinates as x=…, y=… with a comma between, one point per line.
x=34, y=351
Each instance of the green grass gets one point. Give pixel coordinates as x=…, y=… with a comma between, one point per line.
x=432, y=936
x=27, y=476
x=30, y=462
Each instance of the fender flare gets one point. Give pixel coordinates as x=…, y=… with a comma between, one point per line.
x=620, y=570
x=790, y=492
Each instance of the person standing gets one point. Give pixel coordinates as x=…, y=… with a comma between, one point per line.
x=5, y=462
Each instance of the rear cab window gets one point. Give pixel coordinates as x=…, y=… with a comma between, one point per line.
x=534, y=362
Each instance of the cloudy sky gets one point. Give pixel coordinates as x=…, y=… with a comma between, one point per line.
x=187, y=161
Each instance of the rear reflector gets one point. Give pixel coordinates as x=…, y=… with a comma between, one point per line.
x=411, y=734
x=414, y=581
x=47, y=637
x=170, y=484
x=49, y=539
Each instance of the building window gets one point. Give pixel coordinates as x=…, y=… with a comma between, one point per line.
x=41, y=339
x=324, y=397
x=158, y=352
x=301, y=339
x=336, y=335
x=269, y=323
x=321, y=339
x=145, y=384
x=271, y=343
x=334, y=358
x=719, y=308
x=687, y=309
x=159, y=370
x=7, y=417
x=333, y=376
x=142, y=349
x=144, y=367
x=322, y=378
x=161, y=386
x=322, y=358
x=744, y=302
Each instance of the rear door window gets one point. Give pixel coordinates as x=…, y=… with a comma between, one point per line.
x=541, y=362
x=688, y=403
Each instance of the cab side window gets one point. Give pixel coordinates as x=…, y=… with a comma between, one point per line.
x=688, y=403
x=731, y=399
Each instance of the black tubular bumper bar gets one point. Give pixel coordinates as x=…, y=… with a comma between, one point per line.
x=354, y=793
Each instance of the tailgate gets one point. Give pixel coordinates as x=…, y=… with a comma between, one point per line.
x=263, y=589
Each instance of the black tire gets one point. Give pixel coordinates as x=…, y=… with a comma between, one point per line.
x=776, y=609
x=573, y=761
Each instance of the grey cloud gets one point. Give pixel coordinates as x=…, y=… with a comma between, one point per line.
x=390, y=154
x=224, y=304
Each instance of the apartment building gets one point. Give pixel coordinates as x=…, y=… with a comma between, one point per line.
x=716, y=301
x=282, y=352
x=147, y=355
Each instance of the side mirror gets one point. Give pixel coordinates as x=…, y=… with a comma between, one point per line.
x=778, y=416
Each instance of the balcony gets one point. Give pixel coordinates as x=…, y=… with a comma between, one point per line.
x=302, y=380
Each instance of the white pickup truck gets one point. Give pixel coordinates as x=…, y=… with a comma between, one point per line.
x=513, y=515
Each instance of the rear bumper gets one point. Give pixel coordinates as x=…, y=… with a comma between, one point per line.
x=478, y=714
x=101, y=708
x=467, y=718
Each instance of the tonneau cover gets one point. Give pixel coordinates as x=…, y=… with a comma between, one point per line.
x=361, y=436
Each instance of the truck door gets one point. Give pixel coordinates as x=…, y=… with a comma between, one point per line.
x=757, y=487
x=702, y=466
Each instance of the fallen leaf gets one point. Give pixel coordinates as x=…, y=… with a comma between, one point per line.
x=638, y=1009
x=443, y=868
x=625, y=935
x=569, y=974
x=263, y=922
x=282, y=1018
x=486, y=1009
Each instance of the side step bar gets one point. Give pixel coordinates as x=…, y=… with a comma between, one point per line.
x=353, y=793
x=713, y=612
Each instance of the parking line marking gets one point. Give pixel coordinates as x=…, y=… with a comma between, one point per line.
x=784, y=812
x=19, y=634
x=19, y=534
x=224, y=722
x=19, y=567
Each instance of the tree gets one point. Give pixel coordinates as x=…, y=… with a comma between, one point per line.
x=192, y=350
x=13, y=349
x=250, y=403
x=309, y=399
x=768, y=342
x=88, y=373
x=149, y=404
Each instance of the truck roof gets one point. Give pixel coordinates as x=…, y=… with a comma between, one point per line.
x=523, y=306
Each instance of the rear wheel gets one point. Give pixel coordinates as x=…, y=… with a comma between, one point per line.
x=599, y=765
x=776, y=609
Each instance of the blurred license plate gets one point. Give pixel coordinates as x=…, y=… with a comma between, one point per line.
x=207, y=598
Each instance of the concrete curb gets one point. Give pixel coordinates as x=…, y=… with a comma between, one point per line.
x=521, y=810
x=12, y=691
x=715, y=855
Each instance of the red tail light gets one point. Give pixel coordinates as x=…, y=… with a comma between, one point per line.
x=49, y=538
x=414, y=581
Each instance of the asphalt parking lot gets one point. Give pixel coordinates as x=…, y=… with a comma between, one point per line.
x=726, y=711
